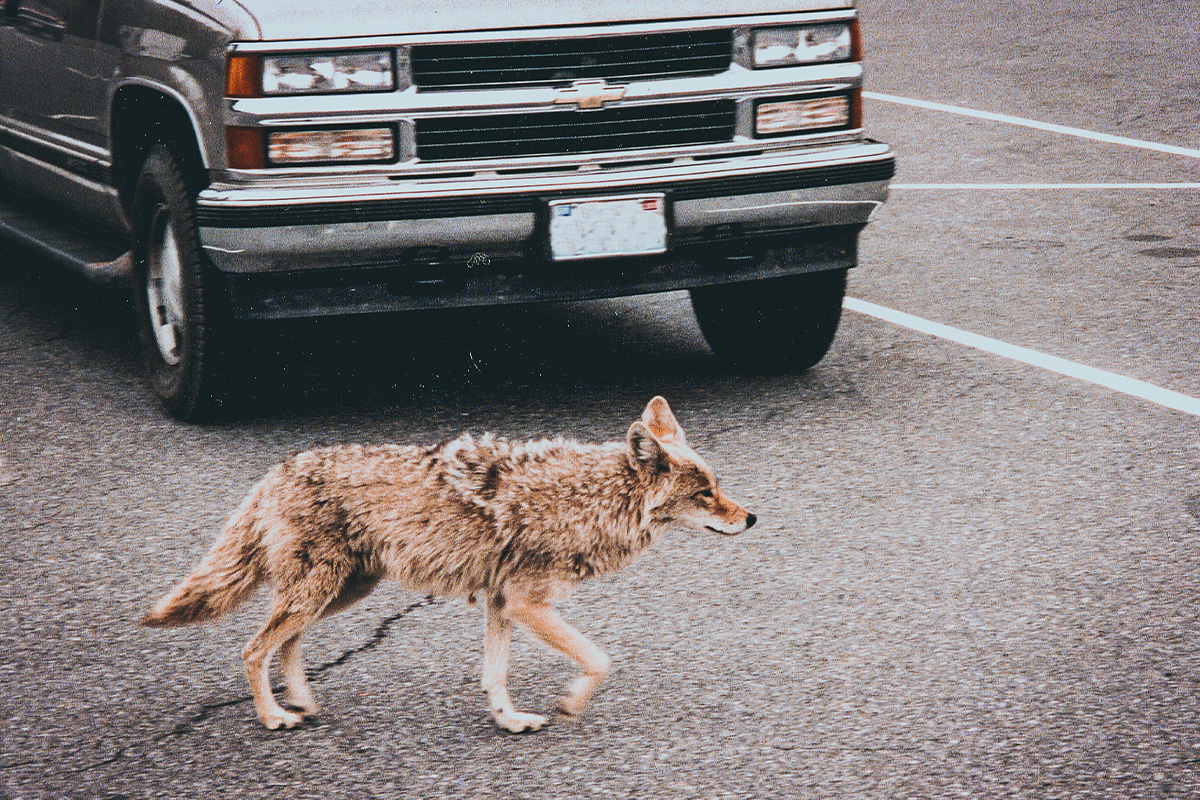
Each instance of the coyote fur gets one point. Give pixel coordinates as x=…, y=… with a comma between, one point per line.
x=516, y=523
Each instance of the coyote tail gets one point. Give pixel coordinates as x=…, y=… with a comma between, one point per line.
x=223, y=579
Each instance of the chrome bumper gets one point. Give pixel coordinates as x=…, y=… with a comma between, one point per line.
x=445, y=242
x=312, y=227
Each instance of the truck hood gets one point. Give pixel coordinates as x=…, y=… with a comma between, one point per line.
x=322, y=19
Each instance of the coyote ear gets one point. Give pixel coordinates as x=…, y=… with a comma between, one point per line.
x=661, y=421
x=647, y=452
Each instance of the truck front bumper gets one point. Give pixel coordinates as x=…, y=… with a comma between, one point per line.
x=437, y=242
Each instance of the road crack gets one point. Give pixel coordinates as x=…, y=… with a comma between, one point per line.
x=206, y=710
x=381, y=632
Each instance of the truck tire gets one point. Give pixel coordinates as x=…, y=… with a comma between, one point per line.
x=180, y=323
x=777, y=324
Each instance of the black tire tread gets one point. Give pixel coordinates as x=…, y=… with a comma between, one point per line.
x=196, y=389
x=783, y=324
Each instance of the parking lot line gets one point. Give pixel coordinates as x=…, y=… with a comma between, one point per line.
x=1110, y=380
x=1032, y=123
x=1040, y=186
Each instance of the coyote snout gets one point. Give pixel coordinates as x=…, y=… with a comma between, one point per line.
x=516, y=523
x=714, y=511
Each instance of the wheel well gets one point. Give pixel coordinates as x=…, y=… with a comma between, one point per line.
x=141, y=118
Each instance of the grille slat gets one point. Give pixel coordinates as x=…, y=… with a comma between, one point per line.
x=548, y=62
x=567, y=132
x=639, y=64
x=566, y=124
x=612, y=45
x=617, y=69
x=633, y=55
x=606, y=137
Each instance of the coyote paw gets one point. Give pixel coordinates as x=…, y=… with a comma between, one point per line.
x=578, y=695
x=303, y=704
x=571, y=705
x=310, y=710
x=281, y=719
x=517, y=722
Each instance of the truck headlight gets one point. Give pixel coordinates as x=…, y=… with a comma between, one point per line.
x=804, y=44
x=272, y=75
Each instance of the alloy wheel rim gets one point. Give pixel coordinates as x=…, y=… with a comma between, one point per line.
x=164, y=288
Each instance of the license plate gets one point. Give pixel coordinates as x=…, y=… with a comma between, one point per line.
x=603, y=227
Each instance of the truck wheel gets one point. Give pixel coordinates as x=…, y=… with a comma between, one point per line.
x=781, y=323
x=179, y=320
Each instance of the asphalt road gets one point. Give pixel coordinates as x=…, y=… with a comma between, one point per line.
x=972, y=577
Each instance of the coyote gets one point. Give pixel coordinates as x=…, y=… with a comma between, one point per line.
x=516, y=523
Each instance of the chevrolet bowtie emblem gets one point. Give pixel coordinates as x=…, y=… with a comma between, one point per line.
x=589, y=94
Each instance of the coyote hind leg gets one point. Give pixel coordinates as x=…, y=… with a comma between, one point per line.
x=293, y=609
x=298, y=695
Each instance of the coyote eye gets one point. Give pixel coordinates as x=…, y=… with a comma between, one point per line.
x=705, y=493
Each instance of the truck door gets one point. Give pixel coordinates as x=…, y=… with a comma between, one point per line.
x=53, y=71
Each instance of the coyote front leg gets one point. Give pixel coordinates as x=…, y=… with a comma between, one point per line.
x=544, y=622
x=299, y=696
x=495, y=671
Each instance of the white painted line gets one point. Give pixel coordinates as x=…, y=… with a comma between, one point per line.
x=796, y=203
x=1041, y=186
x=1110, y=380
x=1032, y=123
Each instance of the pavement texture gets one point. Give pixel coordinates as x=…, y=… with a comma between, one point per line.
x=970, y=577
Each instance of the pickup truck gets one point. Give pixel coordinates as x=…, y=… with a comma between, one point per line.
x=241, y=160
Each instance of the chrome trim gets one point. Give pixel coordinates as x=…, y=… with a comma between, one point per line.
x=295, y=247
x=737, y=83
x=69, y=147
x=356, y=242
x=229, y=195
x=368, y=244
x=588, y=93
x=409, y=169
x=94, y=175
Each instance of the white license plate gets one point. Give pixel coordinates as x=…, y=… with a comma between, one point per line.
x=602, y=227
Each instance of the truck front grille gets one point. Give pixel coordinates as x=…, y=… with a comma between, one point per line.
x=567, y=132
x=543, y=62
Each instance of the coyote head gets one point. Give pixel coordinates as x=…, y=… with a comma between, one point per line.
x=682, y=487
